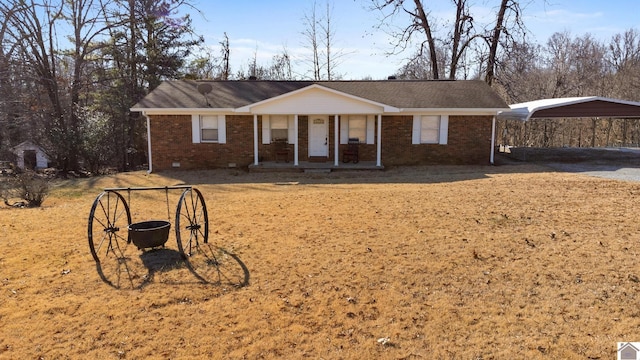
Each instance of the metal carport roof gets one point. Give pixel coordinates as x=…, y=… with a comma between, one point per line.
x=573, y=107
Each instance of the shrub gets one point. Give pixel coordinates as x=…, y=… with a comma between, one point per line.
x=30, y=187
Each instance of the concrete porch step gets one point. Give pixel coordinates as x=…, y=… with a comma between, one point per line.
x=317, y=171
x=318, y=159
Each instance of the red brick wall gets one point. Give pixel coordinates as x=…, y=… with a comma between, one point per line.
x=171, y=142
x=469, y=142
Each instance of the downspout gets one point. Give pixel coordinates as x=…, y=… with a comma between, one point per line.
x=493, y=140
x=148, y=142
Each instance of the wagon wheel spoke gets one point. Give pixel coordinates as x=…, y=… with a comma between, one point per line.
x=116, y=258
x=192, y=222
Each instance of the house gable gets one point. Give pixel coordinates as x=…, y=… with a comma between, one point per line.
x=316, y=99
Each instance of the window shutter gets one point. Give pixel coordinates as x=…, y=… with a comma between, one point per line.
x=415, y=134
x=444, y=129
x=371, y=129
x=266, y=130
x=344, y=129
x=195, y=128
x=293, y=138
x=222, y=129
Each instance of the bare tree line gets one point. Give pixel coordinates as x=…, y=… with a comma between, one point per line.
x=499, y=53
x=71, y=70
x=571, y=66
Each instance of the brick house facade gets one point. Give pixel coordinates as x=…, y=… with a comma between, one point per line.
x=397, y=122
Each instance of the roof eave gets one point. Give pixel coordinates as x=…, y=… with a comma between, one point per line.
x=455, y=111
x=182, y=111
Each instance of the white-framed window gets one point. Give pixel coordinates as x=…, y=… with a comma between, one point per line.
x=208, y=129
x=279, y=127
x=358, y=127
x=361, y=127
x=430, y=129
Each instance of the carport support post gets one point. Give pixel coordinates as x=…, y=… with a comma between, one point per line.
x=493, y=139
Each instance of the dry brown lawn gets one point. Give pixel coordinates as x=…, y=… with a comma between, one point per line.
x=514, y=261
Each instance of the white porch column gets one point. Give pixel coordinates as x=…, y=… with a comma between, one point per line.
x=379, y=142
x=255, y=139
x=295, y=144
x=493, y=139
x=336, y=140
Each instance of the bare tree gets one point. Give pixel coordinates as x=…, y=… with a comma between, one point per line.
x=457, y=41
x=319, y=37
x=225, y=52
x=311, y=35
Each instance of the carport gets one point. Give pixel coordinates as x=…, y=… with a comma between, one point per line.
x=572, y=107
x=575, y=107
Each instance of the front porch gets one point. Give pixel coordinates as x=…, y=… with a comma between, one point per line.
x=308, y=166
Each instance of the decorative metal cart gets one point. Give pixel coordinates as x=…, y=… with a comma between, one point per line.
x=115, y=241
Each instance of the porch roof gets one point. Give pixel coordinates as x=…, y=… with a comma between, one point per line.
x=394, y=95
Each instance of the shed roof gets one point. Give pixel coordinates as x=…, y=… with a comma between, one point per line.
x=401, y=94
x=573, y=107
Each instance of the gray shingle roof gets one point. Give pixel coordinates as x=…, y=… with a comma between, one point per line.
x=467, y=94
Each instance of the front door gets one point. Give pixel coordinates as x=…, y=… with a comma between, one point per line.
x=318, y=135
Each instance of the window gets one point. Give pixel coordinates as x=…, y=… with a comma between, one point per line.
x=279, y=127
x=358, y=127
x=209, y=128
x=429, y=129
x=361, y=127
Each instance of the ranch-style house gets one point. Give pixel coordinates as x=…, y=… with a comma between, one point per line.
x=297, y=124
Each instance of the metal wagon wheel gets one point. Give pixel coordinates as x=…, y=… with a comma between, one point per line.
x=192, y=223
x=109, y=241
x=204, y=260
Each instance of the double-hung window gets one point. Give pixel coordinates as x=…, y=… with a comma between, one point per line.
x=208, y=129
x=361, y=127
x=279, y=128
x=358, y=127
x=430, y=129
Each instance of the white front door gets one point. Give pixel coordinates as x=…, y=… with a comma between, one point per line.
x=319, y=135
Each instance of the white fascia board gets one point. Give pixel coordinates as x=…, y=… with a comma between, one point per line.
x=247, y=108
x=454, y=111
x=183, y=111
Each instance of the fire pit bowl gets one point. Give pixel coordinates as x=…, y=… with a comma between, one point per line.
x=149, y=234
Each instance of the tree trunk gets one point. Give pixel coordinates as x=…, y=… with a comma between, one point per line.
x=424, y=23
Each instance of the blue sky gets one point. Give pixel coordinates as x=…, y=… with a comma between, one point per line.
x=265, y=27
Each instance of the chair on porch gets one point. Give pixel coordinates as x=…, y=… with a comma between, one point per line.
x=281, y=149
x=351, y=152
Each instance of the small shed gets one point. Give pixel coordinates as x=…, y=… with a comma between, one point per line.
x=30, y=156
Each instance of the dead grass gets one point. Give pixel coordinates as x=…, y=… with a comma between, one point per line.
x=423, y=263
